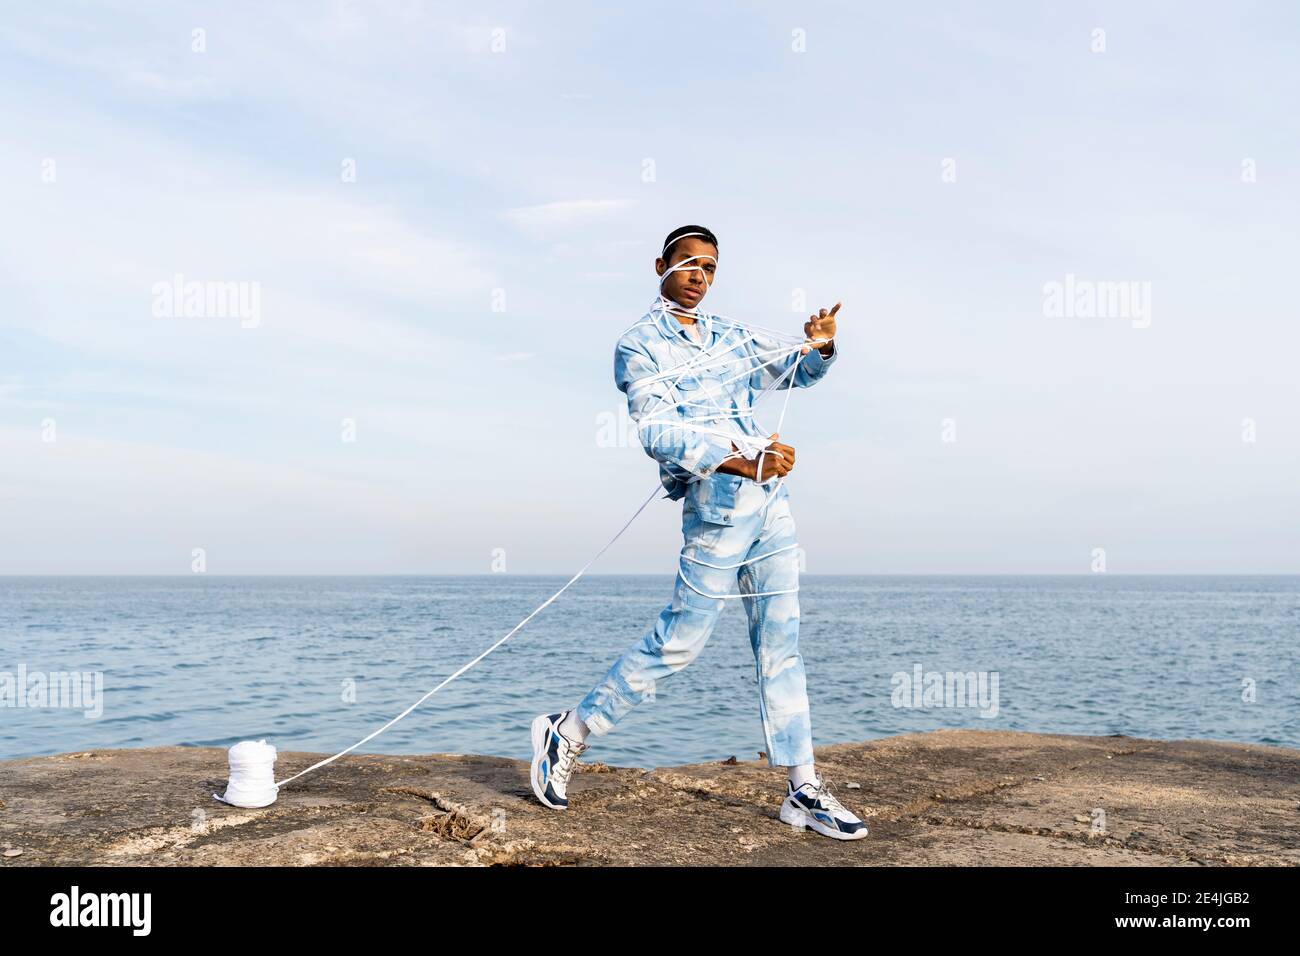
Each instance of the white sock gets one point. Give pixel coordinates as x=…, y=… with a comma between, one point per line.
x=573, y=727
x=801, y=774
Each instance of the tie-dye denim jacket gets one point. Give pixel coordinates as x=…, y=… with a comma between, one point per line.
x=657, y=343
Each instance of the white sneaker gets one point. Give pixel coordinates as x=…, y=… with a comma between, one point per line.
x=813, y=805
x=554, y=759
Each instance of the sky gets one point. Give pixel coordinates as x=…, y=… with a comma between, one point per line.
x=440, y=217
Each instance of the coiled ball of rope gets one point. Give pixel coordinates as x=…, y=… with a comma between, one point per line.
x=252, y=775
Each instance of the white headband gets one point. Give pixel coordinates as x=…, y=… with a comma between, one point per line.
x=686, y=235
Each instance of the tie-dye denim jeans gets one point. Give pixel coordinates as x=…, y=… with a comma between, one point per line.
x=715, y=534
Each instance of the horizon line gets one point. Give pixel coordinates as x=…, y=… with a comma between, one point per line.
x=608, y=574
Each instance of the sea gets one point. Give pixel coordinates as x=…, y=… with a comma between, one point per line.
x=317, y=663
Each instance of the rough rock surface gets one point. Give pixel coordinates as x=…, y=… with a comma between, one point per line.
x=953, y=797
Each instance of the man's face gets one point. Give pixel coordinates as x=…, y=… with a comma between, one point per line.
x=689, y=285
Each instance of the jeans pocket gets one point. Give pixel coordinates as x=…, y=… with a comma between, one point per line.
x=702, y=529
x=714, y=498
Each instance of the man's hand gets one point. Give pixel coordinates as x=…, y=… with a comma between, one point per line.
x=778, y=459
x=821, y=326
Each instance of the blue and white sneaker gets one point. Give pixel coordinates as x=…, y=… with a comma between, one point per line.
x=813, y=805
x=554, y=759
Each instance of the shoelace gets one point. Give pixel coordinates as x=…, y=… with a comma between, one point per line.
x=569, y=751
x=828, y=799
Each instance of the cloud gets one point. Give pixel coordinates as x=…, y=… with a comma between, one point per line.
x=250, y=515
x=548, y=219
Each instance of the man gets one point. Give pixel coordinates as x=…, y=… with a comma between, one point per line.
x=691, y=379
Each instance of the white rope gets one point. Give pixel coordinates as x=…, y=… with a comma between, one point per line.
x=758, y=472
x=739, y=564
x=463, y=669
x=252, y=782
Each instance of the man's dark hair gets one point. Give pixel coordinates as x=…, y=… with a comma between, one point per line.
x=681, y=232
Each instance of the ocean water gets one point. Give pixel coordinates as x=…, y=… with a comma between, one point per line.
x=317, y=663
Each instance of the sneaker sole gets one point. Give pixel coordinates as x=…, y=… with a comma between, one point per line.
x=793, y=815
x=541, y=731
